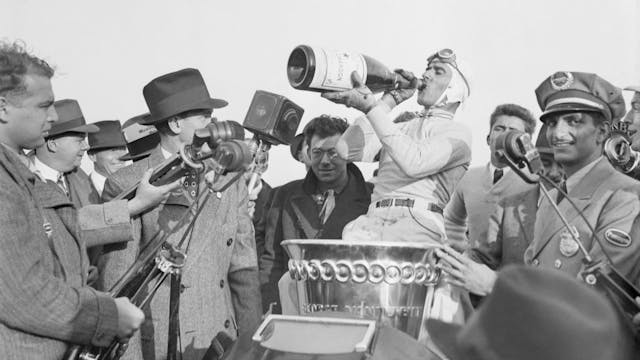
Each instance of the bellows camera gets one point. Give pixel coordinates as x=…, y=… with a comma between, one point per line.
x=273, y=117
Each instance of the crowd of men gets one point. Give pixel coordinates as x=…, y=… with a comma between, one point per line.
x=68, y=237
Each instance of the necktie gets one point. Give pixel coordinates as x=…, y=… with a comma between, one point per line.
x=560, y=196
x=497, y=175
x=328, y=205
x=62, y=184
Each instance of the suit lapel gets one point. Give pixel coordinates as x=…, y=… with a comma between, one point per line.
x=305, y=215
x=526, y=211
x=50, y=196
x=548, y=226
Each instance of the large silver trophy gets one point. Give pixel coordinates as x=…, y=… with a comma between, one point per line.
x=390, y=282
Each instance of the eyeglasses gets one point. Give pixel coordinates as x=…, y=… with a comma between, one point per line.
x=317, y=154
x=444, y=55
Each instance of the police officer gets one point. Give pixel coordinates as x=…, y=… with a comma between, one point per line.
x=578, y=109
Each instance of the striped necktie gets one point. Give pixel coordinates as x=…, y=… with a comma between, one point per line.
x=328, y=205
x=62, y=184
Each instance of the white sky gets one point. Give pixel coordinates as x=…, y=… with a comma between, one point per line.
x=105, y=52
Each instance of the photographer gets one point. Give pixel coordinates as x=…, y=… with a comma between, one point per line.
x=220, y=289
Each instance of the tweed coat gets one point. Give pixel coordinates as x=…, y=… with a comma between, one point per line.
x=473, y=201
x=510, y=230
x=293, y=214
x=81, y=189
x=610, y=202
x=220, y=279
x=44, y=303
x=82, y=193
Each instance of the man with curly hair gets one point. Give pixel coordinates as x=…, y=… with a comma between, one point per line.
x=45, y=303
x=317, y=207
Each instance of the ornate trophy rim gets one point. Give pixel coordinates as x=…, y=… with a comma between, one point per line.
x=410, y=244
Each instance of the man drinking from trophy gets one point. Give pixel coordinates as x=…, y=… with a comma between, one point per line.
x=422, y=157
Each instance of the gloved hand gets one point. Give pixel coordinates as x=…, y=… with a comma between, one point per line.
x=360, y=97
x=395, y=97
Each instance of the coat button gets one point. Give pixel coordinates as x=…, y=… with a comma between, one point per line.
x=535, y=262
x=221, y=283
x=557, y=264
x=227, y=323
x=229, y=242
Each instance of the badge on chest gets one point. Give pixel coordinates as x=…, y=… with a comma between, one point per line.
x=568, y=245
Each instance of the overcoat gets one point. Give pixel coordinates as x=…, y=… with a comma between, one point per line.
x=44, y=302
x=220, y=289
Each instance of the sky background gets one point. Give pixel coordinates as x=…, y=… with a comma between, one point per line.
x=105, y=52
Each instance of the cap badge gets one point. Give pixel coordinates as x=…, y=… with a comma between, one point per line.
x=617, y=237
x=561, y=80
x=568, y=246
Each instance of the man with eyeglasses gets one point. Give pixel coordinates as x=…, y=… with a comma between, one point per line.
x=219, y=291
x=59, y=159
x=319, y=206
x=422, y=157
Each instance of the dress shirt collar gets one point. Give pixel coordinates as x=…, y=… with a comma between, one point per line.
x=574, y=179
x=44, y=171
x=98, y=181
x=165, y=153
x=492, y=170
x=436, y=112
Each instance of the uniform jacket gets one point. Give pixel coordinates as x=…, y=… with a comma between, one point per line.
x=610, y=202
x=44, y=302
x=473, y=201
x=294, y=214
x=220, y=278
x=510, y=230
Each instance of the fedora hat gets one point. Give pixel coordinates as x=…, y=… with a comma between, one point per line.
x=537, y=314
x=174, y=93
x=140, y=139
x=635, y=88
x=109, y=136
x=70, y=119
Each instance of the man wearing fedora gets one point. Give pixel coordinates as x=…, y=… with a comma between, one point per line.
x=58, y=160
x=106, y=148
x=45, y=304
x=219, y=291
